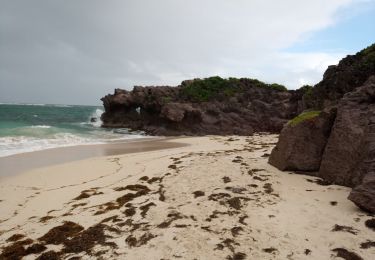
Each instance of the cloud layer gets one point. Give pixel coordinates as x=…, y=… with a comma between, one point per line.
x=77, y=51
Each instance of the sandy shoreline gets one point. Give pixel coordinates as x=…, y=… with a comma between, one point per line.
x=18, y=163
x=217, y=198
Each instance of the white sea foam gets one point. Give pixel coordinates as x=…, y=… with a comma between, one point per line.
x=60, y=105
x=44, y=134
x=31, y=104
x=21, y=144
x=96, y=114
x=40, y=126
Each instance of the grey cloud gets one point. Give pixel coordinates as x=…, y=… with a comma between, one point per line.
x=77, y=51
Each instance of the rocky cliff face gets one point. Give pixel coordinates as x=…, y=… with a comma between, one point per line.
x=350, y=150
x=350, y=73
x=199, y=107
x=337, y=146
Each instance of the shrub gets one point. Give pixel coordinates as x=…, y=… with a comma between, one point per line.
x=260, y=84
x=205, y=89
x=306, y=89
x=307, y=96
x=368, y=58
x=278, y=87
x=201, y=90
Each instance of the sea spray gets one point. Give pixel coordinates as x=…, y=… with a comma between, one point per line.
x=95, y=118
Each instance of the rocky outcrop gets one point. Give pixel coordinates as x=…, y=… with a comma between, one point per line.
x=363, y=195
x=349, y=154
x=350, y=73
x=200, y=107
x=350, y=151
x=341, y=147
x=301, y=144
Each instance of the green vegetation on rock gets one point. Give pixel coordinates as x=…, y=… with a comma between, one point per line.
x=276, y=86
x=307, y=91
x=368, y=55
x=202, y=90
x=370, y=49
x=166, y=99
x=303, y=117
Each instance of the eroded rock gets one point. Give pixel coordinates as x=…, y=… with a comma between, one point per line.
x=233, y=106
x=301, y=146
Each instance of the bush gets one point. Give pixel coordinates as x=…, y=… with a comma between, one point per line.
x=307, y=95
x=201, y=90
x=368, y=58
x=260, y=84
x=205, y=89
x=277, y=87
x=305, y=89
x=303, y=117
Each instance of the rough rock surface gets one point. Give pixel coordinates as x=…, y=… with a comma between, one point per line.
x=241, y=108
x=349, y=154
x=350, y=73
x=350, y=151
x=363, y=195
x=300, y=147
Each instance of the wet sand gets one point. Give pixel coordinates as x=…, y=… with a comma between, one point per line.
x=18, y=163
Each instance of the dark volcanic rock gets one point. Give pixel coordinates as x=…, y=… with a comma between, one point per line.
x=199, y=107
x=350, y=73
x=363, y=195
x=300, y=147
x=349, y=154
x=350, y=151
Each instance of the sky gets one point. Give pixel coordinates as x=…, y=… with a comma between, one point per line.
x=77, y=51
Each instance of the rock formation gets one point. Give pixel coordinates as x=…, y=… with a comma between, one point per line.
x=340, y=79
x=334, y=137
x=338, y=147
x=363, y=195
x=301, y=144
x=350, y=150
x=199, y=107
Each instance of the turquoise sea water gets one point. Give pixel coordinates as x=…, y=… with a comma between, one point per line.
x=32, y=127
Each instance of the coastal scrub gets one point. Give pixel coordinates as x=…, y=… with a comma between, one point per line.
x=203, y=90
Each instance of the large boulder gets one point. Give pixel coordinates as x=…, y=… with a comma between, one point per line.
x=352, y=138
x=363, y=195
x=302, y=142
x=349, y=158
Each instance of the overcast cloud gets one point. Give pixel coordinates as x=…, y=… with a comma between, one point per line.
x=76, y=51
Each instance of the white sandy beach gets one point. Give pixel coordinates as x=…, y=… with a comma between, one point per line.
x=216, y=198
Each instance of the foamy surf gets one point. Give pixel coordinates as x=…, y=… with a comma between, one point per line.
x=40, y=126
x=95, y=118
x=22, y=144
x=25, y=128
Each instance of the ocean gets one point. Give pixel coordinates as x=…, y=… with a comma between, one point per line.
x=33, y=127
